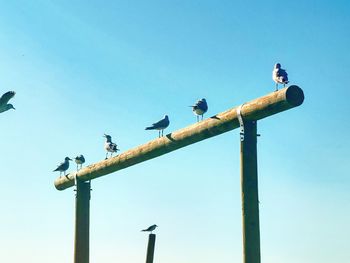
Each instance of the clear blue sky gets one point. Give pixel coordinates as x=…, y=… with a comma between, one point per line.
x=84, y=68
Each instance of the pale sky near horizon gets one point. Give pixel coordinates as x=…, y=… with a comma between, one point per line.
x=84, y=68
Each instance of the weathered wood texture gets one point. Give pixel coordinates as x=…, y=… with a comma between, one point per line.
x=257, y=109
x=250, y=199
x=82, y=223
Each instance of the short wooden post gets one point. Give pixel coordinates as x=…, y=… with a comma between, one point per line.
x=250, y=201
x=82, y=222
x=150, y=248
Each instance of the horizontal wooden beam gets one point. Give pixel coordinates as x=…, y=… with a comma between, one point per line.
x=257, y=109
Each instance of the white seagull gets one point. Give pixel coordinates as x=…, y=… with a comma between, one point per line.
x=5, y=99
x=200, y=108
x=279, y=75
x=79, y=160
x=160, y=125
x=63, y=167
x=110, y=146
x=149, y=229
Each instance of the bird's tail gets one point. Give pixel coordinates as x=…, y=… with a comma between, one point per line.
x=144, y=230
x=149, y=128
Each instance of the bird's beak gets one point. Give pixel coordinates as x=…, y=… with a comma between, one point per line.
x=70, y=159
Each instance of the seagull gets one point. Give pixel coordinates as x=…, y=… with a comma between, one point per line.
x=279, y=75
x=5, y=99
x=110, y=146
x=200, y=108
x=150, y=229
x=160, y=125
x=79, y=160
x=62, y=167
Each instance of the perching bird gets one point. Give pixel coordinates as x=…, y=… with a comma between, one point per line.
x=110, y=146
x=279, y=75
x=63, y=167
x=160, y=125
x=5, y=99
x=150, y=229
x=200, y=108
x=79, y=160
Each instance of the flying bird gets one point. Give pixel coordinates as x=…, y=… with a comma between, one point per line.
x=150, y=229
x=200, y=108
x=79, y=160
x=4, y=106
x=110, y=146
x=160, y=125
x=279, y=75
x=63, y=167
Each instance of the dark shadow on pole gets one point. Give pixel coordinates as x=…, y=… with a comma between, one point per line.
x=150, y=248
x=250, y=200
x=82, y=222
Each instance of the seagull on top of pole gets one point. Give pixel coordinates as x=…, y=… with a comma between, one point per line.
x=4, y=106
x=149, y=229
x=63, y=167
x=279, y=75
x=160, y=125
x=200, y=108
x=79, y=160
x=110, y=146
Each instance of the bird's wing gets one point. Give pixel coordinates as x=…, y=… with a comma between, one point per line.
x=59, y=167
x=6, y=97
x=284, y=73
x=202, y=105
x=159, y=123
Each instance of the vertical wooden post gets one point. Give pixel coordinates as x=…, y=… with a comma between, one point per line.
x=150, y=248
x=250, y=201
x=82, y=222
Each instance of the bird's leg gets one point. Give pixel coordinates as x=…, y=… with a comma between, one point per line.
x=106, y=156
x=202, y=116
x=276, y=86
x=159, y=134
x=162, y=132
x=197, y=118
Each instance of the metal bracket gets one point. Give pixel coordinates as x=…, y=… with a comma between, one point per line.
x=241, y=123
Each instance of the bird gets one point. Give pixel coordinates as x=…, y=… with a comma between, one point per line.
x=200, y=108
x=110, y=146
x=279, y=75
x=63, y=167
x=149, y=229
x=160, y=125
x=5, y=99
x=79, y=160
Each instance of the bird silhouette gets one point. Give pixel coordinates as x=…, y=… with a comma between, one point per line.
x=110, y=146
x=160, y=125
x=279, y=75
x=4, y=106
x=79, y=160
x=200, y=108
x=149, y=229
x=63, y=167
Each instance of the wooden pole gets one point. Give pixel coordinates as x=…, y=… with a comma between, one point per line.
x=250, y=200
x=257, y=109
x=82, y=222
x=150, y=248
